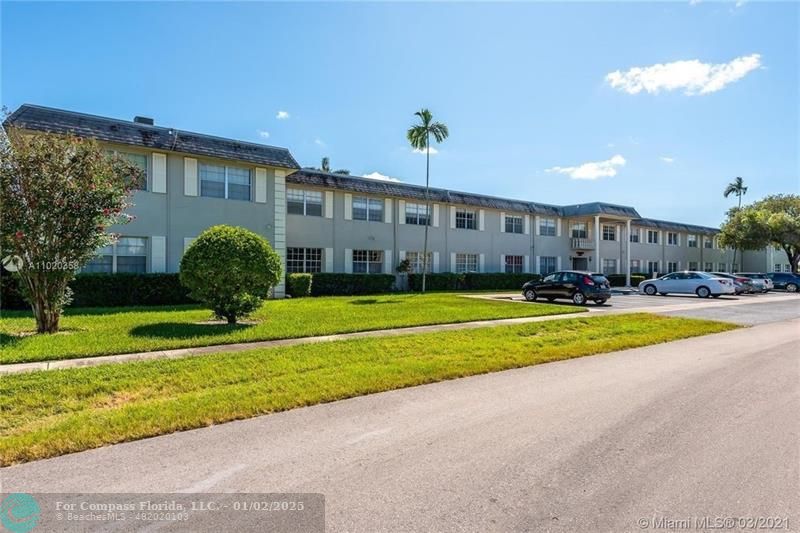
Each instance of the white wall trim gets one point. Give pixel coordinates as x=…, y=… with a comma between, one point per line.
x=190, y=176
x=481, y=220
x=159, y=173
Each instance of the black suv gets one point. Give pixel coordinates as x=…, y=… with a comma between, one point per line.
x=575, y=285
x=785, y=280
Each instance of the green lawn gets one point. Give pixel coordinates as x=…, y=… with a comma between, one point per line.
x=55, y=412
x=93, y=332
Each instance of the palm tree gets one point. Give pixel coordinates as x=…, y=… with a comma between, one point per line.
x=326, y=167
x=419, y=136
x=736, y=187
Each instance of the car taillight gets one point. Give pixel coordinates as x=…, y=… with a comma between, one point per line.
x=587, y=280
x=742, y=280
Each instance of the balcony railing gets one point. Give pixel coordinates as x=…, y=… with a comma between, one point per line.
x=582, y=244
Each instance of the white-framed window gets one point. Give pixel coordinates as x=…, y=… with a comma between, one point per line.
x=303, y=202
x=672, y=238
x=691, y=241
x=513, y=264
x=579, y=230
x=652, y=267
x=692, y=265
x=304, y=259
x=634, y=236
x=513, y=224
x=723, y=267
x=708, y=242
x=734, y=267
x=709, y=266
x=415, y=262
x=367, y=261
x=466, y=263
x=417, y=214
x=140, y=160
x=787, y=267
x=652, y=236
x=777, y=267
x=547, y=264
x=672, y=266
x=128, y=254
x=609, y=266
x=370, y=209
x=636, y=265
x=217, y=181
x=466, y=219
x=547, y=227
x=609, y=233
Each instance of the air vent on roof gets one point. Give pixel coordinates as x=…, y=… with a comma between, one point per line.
x=144, y=120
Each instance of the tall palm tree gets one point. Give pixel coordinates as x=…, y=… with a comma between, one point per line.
x=419, y=136
x=736, y=187
x=326, y=167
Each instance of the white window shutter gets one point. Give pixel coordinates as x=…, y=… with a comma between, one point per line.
x=481, y=216
x=328, y=204
x=502, y=262
x=536, y=264
x=482, y=263
x=526, y=220
x=401, y=208
x=401, y=255
x=435, y=215
x=328, y=259
x=452, y=217
x=348, y=260
x=558, y=263
x=348, y=206
x=558, y=227
x=526, y=264
x=387, y=210
x=261, y=185
x=159, y=173
x=158, y=254
x=388, y=265
x=536, y=222
x=452, y=261
x=187, y=241
x=679, y=239
x=189, y=176
x=436, y=261
x=502, y=222
x=641, y=235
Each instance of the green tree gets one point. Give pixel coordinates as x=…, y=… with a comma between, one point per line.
x=59, y=195
x=231, y=270
x=326, y=167
x=419, y=136
x=737, y=188
x=774, y=220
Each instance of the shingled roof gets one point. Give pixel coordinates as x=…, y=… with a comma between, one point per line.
x=676, y=226
x=38, y=118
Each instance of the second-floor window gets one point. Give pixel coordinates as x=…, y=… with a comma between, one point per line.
x=609, y=233
x=513, y=224
x=691, y=241
x=370, y=209
x=513, y=264
x=652, y=236
x=417, y=214
x=218, y=181
x=304, y=259
x=708, y=242
x=634, y=237
x=580, y=230
x=303, y=202
x=547, y=227
x=140, y=160
x=672, y=238
x=466, y=219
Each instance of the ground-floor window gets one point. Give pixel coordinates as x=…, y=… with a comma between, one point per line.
x=415, y=261
x=128, y=254
x=609, y=266
x=672, y=266
x=787, y=267
x=777, y=267
x=547, y=264
x=466, y=262
x=734, y=267
x=709, y=266
x=304, y=259
x=722, y=267
x=636, y=265
x=513, y=264
x=367, y=261
x=652, y=267
x=692, y=265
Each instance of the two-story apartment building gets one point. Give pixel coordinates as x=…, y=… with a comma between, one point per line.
x=322, y=222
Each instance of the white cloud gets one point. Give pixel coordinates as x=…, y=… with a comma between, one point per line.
x=592, y=170
x=434, y=151
x=320, y=142
x=282, y=115
x=668, y=160
x=693, y=76
x=379, y=176
x=263, y=134
x=694, y=2
x=740, y=3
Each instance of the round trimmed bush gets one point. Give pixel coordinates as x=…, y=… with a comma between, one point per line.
x=231, y=270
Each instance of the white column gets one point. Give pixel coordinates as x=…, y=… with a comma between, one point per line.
x=597, y=265
x=628, y=253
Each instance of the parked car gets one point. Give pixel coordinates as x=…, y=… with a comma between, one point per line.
x=740, y=283
x=575, y=285
x=760, y=280
x=785, y=280
x=702, y=284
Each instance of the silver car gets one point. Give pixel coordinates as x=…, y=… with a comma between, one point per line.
x=702, y=284
x=760, y=280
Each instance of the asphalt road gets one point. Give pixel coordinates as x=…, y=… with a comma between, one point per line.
x=704, y=427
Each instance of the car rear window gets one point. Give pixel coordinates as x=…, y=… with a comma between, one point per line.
x=599, y=278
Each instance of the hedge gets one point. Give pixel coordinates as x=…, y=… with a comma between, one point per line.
x=10, y=297
x=330, y=284
x=111, y=290
x=618, y=280
x=299, y=285
x=471, y=281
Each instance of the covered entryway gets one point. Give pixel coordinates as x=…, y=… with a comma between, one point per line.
x=580, y=263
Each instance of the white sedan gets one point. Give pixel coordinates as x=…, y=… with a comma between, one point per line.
x=700, y=283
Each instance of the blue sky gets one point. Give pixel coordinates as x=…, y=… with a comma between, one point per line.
x=524, y=88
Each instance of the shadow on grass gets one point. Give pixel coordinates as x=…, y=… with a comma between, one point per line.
x=182, y=330
x=8, y=340
x=373, y=301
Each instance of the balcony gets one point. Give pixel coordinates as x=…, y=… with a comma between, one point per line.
x=582, y=244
